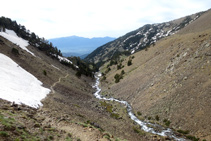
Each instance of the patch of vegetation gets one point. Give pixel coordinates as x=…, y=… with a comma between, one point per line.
x=108, y=107
x=157, y=118
x=15, y=51
x=115, y=115
x=117, y=77
x=76, y=105
x=167, y=122
x=183, y=132
x=149, y=118
x=139, y=131
x=44, y=72
x=80, y=115
x=129, y=63
x=4, y=134
x=193, y=138
x=68, y=139
x=139, y=113
x=104, y=78
x=120, y=66
x=7, y=122
x=78, y=74
x=107, y=136
x=122, y=72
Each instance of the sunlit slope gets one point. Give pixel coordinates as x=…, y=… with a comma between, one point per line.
x=170, y=80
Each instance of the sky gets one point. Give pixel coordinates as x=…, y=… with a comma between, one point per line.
x=95, y=18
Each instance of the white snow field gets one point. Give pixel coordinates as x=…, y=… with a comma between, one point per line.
x=19, y=86
x=12, y=36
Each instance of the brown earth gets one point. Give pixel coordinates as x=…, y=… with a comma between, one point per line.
x=171, y=80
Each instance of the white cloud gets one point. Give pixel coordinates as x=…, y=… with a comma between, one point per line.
x=95, y=17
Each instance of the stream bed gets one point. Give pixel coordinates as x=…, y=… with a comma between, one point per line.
x=146, y=126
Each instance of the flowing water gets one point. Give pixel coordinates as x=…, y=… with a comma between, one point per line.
x=167, y=132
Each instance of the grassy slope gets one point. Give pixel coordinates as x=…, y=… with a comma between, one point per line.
x=171, y=79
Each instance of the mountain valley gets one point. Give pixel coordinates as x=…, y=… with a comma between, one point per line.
x=162, y=70
x=79, y=46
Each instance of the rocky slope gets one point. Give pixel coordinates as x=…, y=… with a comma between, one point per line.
x=140, y=39
x=170, y=82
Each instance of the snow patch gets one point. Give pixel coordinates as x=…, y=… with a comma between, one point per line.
x=64, y=59
x=133, y=51
x=12, y=36
x=18, y=85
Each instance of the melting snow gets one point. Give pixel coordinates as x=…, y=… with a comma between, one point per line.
x=18, y=85
x=12, y=36
x=64, y=59
x=133, y=51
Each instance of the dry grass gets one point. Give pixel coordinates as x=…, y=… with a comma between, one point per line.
x=171, y=79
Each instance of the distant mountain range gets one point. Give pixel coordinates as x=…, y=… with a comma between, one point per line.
x=79, y=46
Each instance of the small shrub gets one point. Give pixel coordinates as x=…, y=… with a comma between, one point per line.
x=122, y=72
x=157, y=118
x=108, y=107
x=3, y=134
x=78, y=74
x=183, y=132
x=129, y=62
x=149, y=118
x=15, y=51
x=167, y=122
x=115, y=115
x=68, y=139
x=88, y=121
x=136, y=130
x=107, y=136
x=104, y=77
x=51, y=137
x=44, y=72
x=119, y=66
x=139, y=113
x=193, y=138
x=117, y=78
x=107, y=70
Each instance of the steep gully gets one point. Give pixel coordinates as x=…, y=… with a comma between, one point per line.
x=167, y=132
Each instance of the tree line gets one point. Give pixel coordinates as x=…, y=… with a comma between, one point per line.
x=34, y=40
x=47, y=47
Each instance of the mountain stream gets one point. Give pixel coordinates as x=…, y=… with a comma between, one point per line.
x=166, y=132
